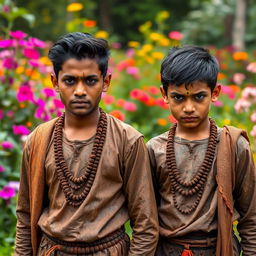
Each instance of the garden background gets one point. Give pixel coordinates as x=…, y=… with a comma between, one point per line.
x=140, y=34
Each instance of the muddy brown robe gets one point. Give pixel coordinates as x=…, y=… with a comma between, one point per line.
x=122, y=190
x=189, y=156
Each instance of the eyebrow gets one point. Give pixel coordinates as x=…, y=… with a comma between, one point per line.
x=81, y=77
x=185, y=94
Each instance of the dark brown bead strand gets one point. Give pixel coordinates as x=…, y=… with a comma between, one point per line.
x=197, y=184
x=70, y=184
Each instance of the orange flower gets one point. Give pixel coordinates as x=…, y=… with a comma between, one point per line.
x=223, y=66
x=240, y=56
x=234, y=88
x=118, y=114
x=221, y=76
x=22, y=105
x=120, y=102
x=28, y=124
x=162, y=122
x=89, y=23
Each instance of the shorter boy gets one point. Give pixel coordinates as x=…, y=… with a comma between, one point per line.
x=202, y=182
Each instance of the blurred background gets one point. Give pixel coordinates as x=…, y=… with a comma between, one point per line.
x=140, y=33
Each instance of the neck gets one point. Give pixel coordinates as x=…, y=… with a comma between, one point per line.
x=81, y=127
x=200, y=132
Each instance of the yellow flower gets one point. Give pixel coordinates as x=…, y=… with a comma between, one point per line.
x=141, y=53
x=145, y=27
x=102, y=34
x=133, y=44
x=226, y=122
x=240, y=56
x=47, y=82
x=155, y=36
x=45, y=61
x=164, y=42
x=162, y=122
x=150, y=60
x=164, y=14
x=74, y=7
x=158, y=55
x=20, y=70
x=147, y=47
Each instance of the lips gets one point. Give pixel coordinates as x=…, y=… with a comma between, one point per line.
x=80, y=103
x=189, y=118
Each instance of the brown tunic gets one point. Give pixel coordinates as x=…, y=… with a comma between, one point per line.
x=189, y=156
x=122, y=189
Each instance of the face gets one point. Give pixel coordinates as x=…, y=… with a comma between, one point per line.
x=190, y=105
x=80, y=85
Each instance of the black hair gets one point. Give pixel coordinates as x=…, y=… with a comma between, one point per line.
x=79, y=46
x=189, y=64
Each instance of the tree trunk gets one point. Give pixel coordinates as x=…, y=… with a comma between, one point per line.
x=239, y=25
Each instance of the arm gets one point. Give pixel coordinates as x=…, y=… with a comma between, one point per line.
x=141, y=200
x=23, y=233
x=245, y=197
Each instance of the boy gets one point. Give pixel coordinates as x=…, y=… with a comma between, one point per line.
x=85, y=173
x=198, y=195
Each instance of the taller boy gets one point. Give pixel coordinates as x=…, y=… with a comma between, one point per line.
x=85, y=173
x=200, y=190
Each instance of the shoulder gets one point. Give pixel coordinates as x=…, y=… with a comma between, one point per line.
x=122, y=129
x=158, y=141
x=41, y=131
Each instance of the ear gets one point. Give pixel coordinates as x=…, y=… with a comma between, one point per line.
x=216, y=92
x=55, y=82
x=106, y=82
x=165, y=96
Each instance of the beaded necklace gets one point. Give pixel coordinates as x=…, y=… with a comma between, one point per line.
x=77, y=189
x=197, y=184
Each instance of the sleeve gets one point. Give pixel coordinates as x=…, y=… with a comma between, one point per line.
x=141, y=200
x=245, y=197
x=23, y=232
x=153, y=168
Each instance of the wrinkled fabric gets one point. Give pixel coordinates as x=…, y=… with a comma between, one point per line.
x=189, y=157
x=122, y=190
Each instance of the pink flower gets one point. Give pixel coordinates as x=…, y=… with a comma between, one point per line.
x=18, y=34
x=34, y=63
x=153, y=90
x=10, y=114
x=116, y=45
x=10, y=63
x=14, y=184
x=58, y=103
x=25, y=94
x=253, y=117
x=238, y=78
x=253, y=131
x=25, y=43
x=228, y=91
x=108, y=99
x=130, y=106
x=7, y=192
x=36, y=42
x=242, y=105
x=31, y=53
x=48, y=92
x=130, y=52
x=251, y=67
x=249, y=92
x=6, y=54
x=6, y=43
x=176, y=35
x=218, y=103
x=1, y=114
x=20, y=130
x=133, y=71
x=7, y=145
x=2, y=169
x=135, y=94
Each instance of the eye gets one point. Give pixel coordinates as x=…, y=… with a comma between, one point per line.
x=69, y=81
x=199, y=97
x=178, y=97
x=91, y=81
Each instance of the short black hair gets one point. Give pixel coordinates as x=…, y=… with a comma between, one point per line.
x=189, y=64
x=79, y=46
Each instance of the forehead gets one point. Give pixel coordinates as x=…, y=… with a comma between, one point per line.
x=87, y=65
x=192, y=88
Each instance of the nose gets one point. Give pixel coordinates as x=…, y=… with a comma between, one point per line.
x=188, y=107
x=80, y=89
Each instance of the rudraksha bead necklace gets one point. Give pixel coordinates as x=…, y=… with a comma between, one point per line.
x=71, y=185
x=197, y=184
